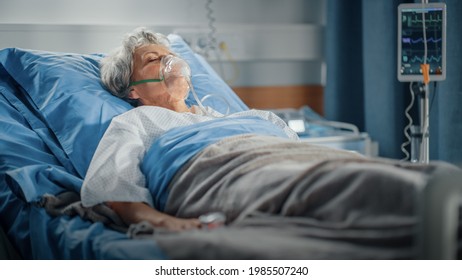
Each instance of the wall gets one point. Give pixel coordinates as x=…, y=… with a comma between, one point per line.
x=269, y=42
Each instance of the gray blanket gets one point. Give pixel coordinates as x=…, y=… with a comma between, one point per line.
x=286, y=200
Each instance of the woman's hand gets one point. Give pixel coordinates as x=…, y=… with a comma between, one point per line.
x=135, y=212
x=177, y=224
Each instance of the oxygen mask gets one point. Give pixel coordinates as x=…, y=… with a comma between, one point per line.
x=176, y=75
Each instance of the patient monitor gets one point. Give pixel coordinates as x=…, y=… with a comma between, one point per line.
x=413, y=43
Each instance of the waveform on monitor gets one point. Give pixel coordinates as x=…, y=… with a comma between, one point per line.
x=428, y=20
x=407, y=40
x=429, y=59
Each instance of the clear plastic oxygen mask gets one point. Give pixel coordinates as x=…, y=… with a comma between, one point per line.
x=175, y=73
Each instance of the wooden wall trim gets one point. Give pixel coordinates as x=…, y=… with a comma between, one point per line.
x=278, y=97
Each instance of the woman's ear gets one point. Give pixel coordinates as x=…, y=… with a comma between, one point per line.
x=133, y=94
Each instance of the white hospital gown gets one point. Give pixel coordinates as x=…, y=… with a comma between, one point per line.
x=114, y=173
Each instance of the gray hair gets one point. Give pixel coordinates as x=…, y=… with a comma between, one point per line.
x=116, y=68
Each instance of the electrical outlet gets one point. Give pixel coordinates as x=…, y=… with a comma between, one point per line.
x=196, y=38
x=229, y=45
x=199, y=41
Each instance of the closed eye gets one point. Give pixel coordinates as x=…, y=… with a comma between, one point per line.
x=153, y=59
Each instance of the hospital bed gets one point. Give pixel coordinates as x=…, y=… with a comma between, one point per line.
x=53, y=113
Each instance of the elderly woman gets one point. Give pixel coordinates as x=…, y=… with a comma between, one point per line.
x=138, y=71
x=139, y=59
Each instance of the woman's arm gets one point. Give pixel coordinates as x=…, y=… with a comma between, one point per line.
x=135, y=212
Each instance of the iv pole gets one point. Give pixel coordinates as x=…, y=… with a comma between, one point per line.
x=424, y=103
x=424, y=125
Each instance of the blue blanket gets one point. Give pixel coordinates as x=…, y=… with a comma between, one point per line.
x=171, y=151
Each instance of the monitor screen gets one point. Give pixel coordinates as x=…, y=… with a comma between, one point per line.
x=411, y=41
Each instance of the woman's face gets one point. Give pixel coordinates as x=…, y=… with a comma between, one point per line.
x=146, y=65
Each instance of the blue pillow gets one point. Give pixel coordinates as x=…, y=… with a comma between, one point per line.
x=65, y=89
